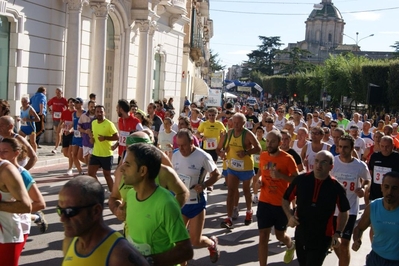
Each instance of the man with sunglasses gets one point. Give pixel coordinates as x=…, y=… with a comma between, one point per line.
x=153, y=216
x=88, y=240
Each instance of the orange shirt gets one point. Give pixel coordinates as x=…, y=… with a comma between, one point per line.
x=273, y=189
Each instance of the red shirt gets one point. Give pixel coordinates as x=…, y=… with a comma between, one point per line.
x=57, y=106
x=161, y=114
x=126, y=125
x=67, y=117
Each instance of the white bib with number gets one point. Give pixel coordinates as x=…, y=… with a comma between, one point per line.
x=23, y=123
x=237, y=164
x=256, y=158
x=379, y=172
x=211, y=143
x=57, y=115
x=193, y=194
x=122, y=137
x=76, y=134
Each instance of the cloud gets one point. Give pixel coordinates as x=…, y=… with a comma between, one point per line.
x=245, y=52
x=370, y=16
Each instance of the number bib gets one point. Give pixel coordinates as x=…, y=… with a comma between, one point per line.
x=77, y=134
x=193, y=194
x=249, y=124
x=348, y=181
x=256, y=158
x=211, y=143
x=57, y=115
x=23, y=123
x=122, y=137
x=379, y=172
x=237, y=164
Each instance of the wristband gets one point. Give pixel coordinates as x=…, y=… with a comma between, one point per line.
x=339, y=233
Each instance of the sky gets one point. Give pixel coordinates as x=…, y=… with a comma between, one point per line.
x=238, y=23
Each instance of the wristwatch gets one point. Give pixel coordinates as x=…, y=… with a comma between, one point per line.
x=339, y=233
x=150, y=260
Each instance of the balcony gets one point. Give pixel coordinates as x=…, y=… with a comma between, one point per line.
x=175, y=6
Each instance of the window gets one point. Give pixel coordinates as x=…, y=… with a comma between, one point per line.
x=4, y=52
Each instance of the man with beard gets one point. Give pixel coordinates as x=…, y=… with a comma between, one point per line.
x=276, y=170
x=127, y=123
x=382, y=214
x=104, y=133
x=84, y=127
x=317, y=195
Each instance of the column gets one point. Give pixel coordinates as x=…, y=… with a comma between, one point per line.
x=144, y=73
x=72, y=64
x=99, y=46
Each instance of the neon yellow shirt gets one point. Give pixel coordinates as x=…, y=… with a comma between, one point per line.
x=107, y=129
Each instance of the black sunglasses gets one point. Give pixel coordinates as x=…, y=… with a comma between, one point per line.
x=72, y=211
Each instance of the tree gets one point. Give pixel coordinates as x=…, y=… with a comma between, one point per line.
x=294, y=61
x=262, y=59
x=396, y=47
x=214, y=62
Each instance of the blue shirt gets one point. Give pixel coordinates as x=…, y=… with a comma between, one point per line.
x=36, y=100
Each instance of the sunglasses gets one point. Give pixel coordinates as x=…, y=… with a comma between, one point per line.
x=269, y=121
x=333, y=125
x=72, y=211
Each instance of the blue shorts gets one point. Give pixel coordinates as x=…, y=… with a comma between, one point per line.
x=28, y=130
x=192, y=210
x=241, y=175
x=77, y=142
x=224, y=173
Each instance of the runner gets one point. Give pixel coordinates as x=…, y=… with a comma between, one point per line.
x=28, y=118
x=84, y=126
x=309, y=151
x=66, y=125
x=262, y=141
x=56, y=105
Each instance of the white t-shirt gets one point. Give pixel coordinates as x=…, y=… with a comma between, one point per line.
x=192, y=170
x=350, y=175
x=166, y=138
x=279, y=124
x=360, y=146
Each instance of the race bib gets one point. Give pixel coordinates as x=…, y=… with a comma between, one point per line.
x=237, y=164
x=186, y=180
x=211, y=144
x=23, y=123
x=379, y=172
x=249, y=124
x=348, y=181
x=122, y=137
x=76, y=134
x=57, y=115
x=193, y=194
x=256, y=158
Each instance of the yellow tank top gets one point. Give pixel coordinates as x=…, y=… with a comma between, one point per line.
x=99, y=256
x=235, y=144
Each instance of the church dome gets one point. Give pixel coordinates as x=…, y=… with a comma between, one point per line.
x=325, y=9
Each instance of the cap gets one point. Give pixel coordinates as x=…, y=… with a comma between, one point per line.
x=394, y=124
x=141, y=112
x=79, y=100
x=329, y=115
x=298, y=111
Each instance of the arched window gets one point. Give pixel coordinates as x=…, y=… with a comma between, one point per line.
x=4, y=56
x=329, y=37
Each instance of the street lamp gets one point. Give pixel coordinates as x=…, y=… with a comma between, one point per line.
x=357, y=39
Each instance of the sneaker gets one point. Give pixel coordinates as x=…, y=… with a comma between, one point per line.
x=82, y=173
x=289, y=253
x=255, y=199
x=235, y=214
x=226, y=224
x=41, y=222
x=248, y=218
x=214, y=253
x=54, y=151
x=69, y=172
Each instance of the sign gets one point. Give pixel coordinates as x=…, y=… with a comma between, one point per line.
x=246, y=89
x=217, y=80
x=344, y=99
x=214, y=98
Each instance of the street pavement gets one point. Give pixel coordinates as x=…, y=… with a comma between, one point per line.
x=237, y=246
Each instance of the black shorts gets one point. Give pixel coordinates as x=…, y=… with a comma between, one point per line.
x=269, y=215
x=347, y=233
x=213, y=154
x=104, y=162
x=313, y=256
x=67, y=140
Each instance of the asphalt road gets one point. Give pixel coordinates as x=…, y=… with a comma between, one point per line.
x=238, y=246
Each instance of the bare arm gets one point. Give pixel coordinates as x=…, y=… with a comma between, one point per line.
x=12, y=181
x=124, y=254
x=31, y=153
x=115, y=199
x=33, y=113
x=182, y=251
x=363, y=224
x=38, y=202
x=292, y=219
x=256, y=148
x=169, y=179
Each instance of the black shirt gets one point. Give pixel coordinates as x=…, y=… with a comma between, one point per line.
x=296, y=156
x=378, y=165
x=316, y=201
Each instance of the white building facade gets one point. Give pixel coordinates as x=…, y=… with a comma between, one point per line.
x=130, y=49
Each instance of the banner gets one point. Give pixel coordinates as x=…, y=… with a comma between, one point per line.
x=217, y=80
x=246, y=89
x=214, y=98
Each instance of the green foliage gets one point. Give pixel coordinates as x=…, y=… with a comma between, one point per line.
x=214, y=62
x=393, y=85
x=297, y=61
x=396, y=47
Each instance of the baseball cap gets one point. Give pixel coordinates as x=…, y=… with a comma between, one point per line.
x=329, y=115
x=79, y=100
x=298, y=111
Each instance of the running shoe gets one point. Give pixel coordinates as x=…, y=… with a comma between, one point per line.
x=227, y=223
x=69, y=172
x=54, y=151
x=41, y=222
x=248, y=218
x=255, y=199
x=235, y=214
x=289, y=253
x=214, y=252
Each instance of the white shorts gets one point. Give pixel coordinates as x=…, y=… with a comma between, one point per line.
x=87, y=151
